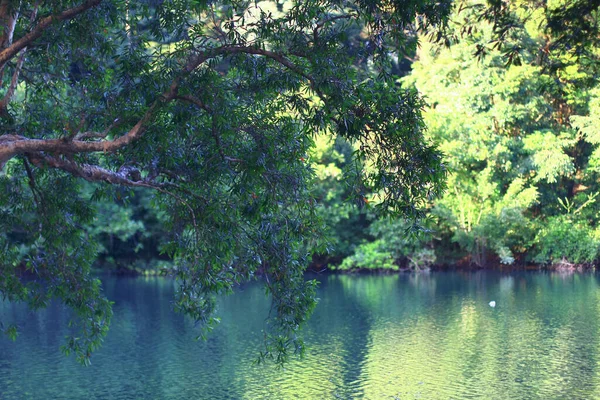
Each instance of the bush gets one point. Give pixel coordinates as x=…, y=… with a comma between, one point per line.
x=394, y=246
x=369, y=256
x=563, y=239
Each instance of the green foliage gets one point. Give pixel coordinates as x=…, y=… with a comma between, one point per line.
x=222, y=112
x=507, y=132
x=10, y=331
x=214, y=109
x=52, y=248
x=127, y=228
x=395, y=246
x=564, y=239
x=517, y=127
x=371, y=255
x=345, y=223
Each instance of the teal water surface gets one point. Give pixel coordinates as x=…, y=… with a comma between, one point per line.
x=427, y=336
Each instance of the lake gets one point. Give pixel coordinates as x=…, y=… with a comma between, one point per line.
x=407, y=336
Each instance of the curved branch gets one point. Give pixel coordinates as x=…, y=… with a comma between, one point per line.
x=11, y=145
x=93, y=173
x=199, y=58
x=42, y=26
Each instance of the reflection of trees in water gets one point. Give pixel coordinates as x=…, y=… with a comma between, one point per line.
x=439, y=332
x=429, y=335
x=348, y=311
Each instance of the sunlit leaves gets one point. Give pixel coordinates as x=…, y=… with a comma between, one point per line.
x=507, y=131
x=548, y=155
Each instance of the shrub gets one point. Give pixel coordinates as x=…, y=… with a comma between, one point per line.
x=394, y=245
x=563, y=239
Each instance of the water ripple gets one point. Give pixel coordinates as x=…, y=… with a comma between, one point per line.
x=372, y=337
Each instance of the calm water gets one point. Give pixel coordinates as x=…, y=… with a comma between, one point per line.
x=375, y=337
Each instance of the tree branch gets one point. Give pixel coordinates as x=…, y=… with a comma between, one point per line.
x=12, y=50
x=328, y=20
x=15, y=77
x=196, y=60
x=92, y=173
x=13, y=82
x=11, y=145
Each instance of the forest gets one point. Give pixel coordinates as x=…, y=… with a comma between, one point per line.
x=220, y=142
x=516, y=123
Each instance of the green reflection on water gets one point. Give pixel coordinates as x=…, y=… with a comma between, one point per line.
x=428, y=336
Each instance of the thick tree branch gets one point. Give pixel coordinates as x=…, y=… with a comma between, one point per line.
x=11, y=145
x=125, y=176
x=18, y=45
x=88, y=172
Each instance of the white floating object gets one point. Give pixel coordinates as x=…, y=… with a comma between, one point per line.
x=492, y=303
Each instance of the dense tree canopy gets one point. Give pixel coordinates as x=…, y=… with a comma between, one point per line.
x=512, y=104
x=213, y=106
x=517, y=138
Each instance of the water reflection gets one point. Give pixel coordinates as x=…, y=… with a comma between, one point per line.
x=429, y=336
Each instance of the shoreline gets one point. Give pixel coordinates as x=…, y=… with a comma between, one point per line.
x=563, y=267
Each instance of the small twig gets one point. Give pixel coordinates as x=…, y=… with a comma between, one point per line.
x=97, y=135
x=195, y=101
x=326, y=21
x=31, y=182
x=232, y=159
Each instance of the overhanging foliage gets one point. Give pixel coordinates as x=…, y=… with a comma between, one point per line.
x=214, y=107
